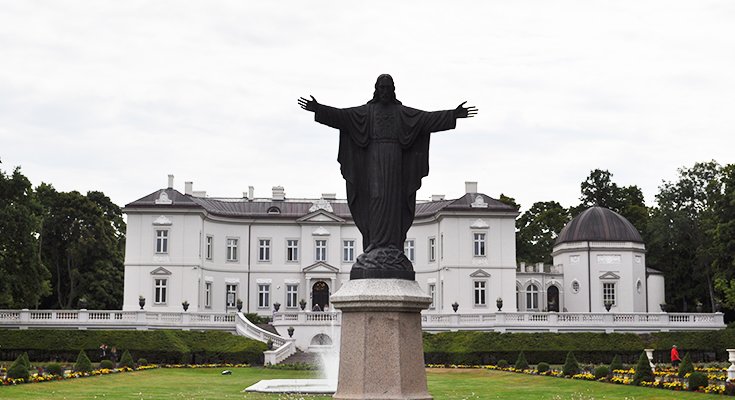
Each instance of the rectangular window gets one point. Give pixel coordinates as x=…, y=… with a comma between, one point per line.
x=432, y=249
x=320, y=248
x=264, y=296
x=160, y=286
x=231, y=296
x=292, y=293
x=208, y=247
x=480, y=293
x=208, y=294
x=409, y=249
x=432, y=294
x=348, y=250
x=292, y=250
x=161, y=241
x=232, y=250
x=608, y=293
x=264, y=250
x=479, y=244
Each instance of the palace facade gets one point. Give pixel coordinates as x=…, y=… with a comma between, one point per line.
x=293, y=253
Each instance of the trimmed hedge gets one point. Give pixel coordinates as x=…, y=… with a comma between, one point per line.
x=472, y=347
x=157, y=346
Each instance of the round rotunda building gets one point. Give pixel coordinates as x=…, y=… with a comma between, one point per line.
x=603, y=259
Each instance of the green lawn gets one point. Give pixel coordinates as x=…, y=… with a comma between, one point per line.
x=208, y=383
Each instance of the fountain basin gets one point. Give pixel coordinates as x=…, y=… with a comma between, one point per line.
x=310, y=386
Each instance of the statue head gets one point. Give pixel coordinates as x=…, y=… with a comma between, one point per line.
x=385, y=91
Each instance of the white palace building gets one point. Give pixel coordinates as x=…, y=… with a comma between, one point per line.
x=282, y=258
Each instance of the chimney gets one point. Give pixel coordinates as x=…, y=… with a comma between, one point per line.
x=470, y=187
x=199, y=193
x=329, y=196
x=251, y=192
x=170, y=181
x=279, y=194
x=437, y=197
x=188, y=188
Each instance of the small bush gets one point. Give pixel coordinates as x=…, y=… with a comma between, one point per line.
x=107, y=364
x=521, y=362
x=55, y=369
x=502, y=364
x=142, y=361
x=542, y=367
x=697, y=380
x=571, y=366
x=83, y=364
x=643, y=372
x=127, y=360
x=26, y=360
x=686, y=366
x=19, y=370
x=616, y=364
x=602, y=372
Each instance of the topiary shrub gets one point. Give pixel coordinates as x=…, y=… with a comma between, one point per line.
x=602, y=372
x=107, y=364
x=18, y=370
x=571, y=366
x=142, y=361
x=521, y=362
x=26, y=360
x=697, y=380
x=686, y=366
x=127, y=360
x=83, y=364
x=616, y=364
x=55, y=369
x=542, y=367
x=502, y=364
x=643, y=372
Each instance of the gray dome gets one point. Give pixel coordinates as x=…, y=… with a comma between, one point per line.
x=599, y=224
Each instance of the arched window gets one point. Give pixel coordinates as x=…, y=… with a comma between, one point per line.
x=532, y=297
x=274, y=210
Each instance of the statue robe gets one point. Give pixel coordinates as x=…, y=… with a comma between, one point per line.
x=384, y=154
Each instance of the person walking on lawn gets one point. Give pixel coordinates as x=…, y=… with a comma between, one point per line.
x=675, y=360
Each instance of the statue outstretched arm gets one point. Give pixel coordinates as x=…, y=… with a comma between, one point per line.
x=463, y=112
x=308, y=105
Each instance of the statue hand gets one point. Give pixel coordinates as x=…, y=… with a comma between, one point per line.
x=308, y=105
x=465, y=112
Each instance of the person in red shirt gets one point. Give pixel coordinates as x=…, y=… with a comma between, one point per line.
x=675, y=360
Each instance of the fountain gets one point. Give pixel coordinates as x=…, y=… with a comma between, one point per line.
x=326, y=385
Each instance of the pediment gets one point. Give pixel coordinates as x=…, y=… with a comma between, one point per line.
x=479, y=224
x=160, y=271
x=322, y=216
x=480, y=274
x=321, y=267
x=609, y=275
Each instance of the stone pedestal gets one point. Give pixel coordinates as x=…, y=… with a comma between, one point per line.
x=381, y=350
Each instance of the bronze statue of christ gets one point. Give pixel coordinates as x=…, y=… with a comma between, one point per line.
x=384, y=154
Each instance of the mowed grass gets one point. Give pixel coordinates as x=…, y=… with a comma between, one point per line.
x=208, y=383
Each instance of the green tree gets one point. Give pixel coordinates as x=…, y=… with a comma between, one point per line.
x=83, y=363
x=571, y=366
x=83, y=244
x=681, y=231
x=521, y=362
x=723, y=236
x=25, y=279
x=538, y=228
x=600, y=190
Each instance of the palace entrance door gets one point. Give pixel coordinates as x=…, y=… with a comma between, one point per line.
x=319, y=296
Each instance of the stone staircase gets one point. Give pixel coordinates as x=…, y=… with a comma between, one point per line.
x=301, y=357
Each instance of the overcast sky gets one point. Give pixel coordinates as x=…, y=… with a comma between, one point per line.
x=116, y=95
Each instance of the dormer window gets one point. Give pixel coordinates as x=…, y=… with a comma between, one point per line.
x=274, y=210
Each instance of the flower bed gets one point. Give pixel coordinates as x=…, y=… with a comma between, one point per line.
x=665, y=378
x=42, y=377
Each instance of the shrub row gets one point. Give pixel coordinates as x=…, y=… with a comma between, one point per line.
x=471, y=347
x=159, y=346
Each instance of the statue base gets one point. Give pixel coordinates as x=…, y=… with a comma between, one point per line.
x=383, y=263
x=381, y=350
